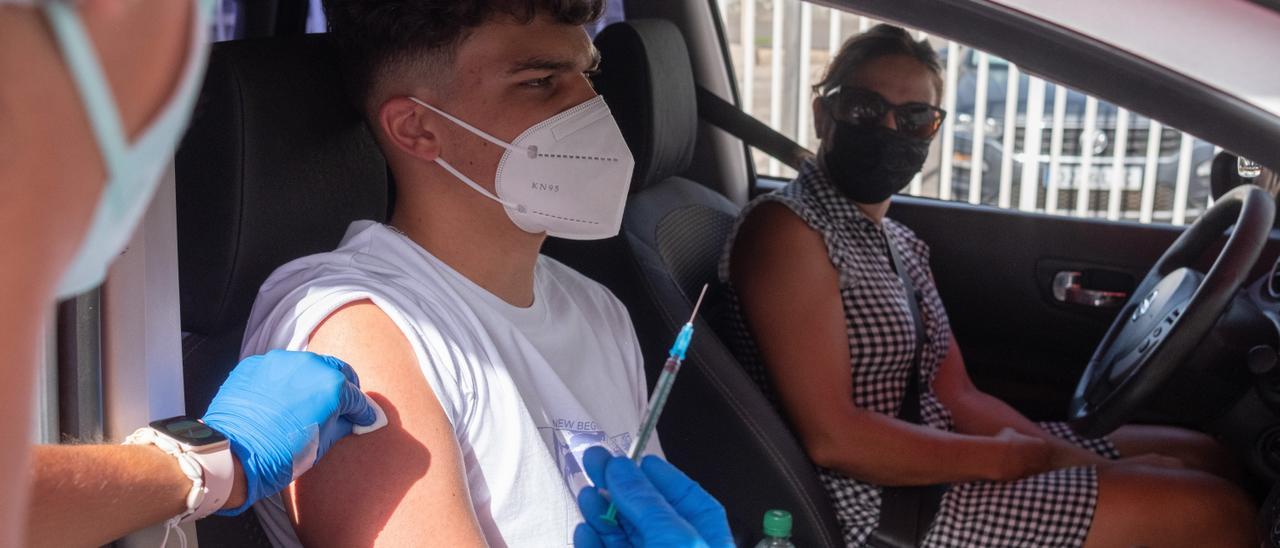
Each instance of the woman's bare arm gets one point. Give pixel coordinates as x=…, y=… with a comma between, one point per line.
x=791, y=298
x=398, y=486
x=978, y=413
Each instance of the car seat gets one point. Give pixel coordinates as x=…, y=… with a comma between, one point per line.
x=275, y=165
x=717, y=426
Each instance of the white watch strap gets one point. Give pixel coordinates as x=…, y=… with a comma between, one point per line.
x=211, y=473
x=219, y=474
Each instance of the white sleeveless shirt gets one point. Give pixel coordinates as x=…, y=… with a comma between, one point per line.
x=527, y=390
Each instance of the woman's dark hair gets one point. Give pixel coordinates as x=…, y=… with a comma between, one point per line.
x=378, y=39
x=877, y=42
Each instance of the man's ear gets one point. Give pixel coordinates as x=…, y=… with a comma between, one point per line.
x=406, y=125
x=821, y=120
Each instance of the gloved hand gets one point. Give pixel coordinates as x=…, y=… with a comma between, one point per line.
x=281, y=412
x=658, y=506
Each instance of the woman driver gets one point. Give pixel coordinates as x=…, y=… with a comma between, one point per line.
x=824, y=325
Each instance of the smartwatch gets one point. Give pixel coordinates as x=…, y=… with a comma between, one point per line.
x=204, y=455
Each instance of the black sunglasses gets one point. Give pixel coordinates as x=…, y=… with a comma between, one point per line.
x=863, y=107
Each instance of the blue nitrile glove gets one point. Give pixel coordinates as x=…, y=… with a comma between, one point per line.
x=658, y=506
x=282, y=411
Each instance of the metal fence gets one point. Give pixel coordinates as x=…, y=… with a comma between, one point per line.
x=1010, y=139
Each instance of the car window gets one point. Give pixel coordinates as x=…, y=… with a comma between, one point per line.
x=1009, y=140
x=316, y=21
x=613, y=12
x=225, y=21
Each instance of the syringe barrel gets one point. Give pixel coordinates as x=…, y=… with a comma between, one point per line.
x=656, y=402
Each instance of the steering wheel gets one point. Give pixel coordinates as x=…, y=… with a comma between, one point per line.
x=1172, y=309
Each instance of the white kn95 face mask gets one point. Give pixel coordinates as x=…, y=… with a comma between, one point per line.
x=566, y=176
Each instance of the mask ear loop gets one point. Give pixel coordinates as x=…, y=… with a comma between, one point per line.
x=476, y=187
x=91, y=82
x=531, y=151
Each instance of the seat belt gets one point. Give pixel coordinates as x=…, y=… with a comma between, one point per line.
x=727, y=116
x=906, y=512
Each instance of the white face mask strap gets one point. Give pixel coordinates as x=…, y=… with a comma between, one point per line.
x=479, y=132
x=447, y=167
x=477, y=187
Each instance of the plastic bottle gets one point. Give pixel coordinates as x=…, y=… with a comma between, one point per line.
x=777, y=530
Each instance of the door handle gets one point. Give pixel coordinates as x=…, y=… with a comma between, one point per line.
x=1067, y=289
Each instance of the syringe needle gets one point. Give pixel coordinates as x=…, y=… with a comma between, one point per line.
x=699, y=303
x=660, y=391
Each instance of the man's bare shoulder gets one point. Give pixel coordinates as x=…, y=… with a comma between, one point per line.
x=362, y=327
x=368, y=487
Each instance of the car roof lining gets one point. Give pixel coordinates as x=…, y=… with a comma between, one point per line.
x=1227, y=54
x=1091, y=66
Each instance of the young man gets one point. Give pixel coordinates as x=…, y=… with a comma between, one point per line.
x=280, y=411
x=497, y=366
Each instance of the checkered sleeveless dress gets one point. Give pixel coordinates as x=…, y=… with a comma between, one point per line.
x=1051, y=509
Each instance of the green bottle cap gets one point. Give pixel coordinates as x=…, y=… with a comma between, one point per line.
x=777, y=523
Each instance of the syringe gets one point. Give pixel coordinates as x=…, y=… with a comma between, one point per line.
x=666, y=379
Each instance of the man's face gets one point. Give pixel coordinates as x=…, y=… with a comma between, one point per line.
x=507, y=77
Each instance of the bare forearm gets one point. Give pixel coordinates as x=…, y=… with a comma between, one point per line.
x=89, y=495
x=982, y=414
x=888, y=451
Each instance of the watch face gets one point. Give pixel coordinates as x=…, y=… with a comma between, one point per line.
x=189, y=431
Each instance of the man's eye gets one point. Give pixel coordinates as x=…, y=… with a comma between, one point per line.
x=538, y=83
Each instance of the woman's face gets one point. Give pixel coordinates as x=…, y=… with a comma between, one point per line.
x=899, y=79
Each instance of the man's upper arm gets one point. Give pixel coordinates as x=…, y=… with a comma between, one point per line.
x=379, y=487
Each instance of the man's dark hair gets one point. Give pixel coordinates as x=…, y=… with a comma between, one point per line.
x=878, y=41
x=380, y=38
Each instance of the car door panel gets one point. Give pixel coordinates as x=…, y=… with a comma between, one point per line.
x=994, y=269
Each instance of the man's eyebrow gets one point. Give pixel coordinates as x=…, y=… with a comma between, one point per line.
x=553, y=64
x=541, y=63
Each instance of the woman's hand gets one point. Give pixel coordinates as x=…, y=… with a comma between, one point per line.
x=1027, y=456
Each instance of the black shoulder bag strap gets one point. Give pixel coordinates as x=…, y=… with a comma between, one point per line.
x=907, y=512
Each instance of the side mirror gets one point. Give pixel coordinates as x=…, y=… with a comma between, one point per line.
x=1226, y=173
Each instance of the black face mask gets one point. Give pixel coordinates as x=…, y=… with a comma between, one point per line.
x=871, y=163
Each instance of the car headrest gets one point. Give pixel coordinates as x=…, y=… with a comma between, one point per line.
x=1223, y=175
x=276, y=164
x=647, y=80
